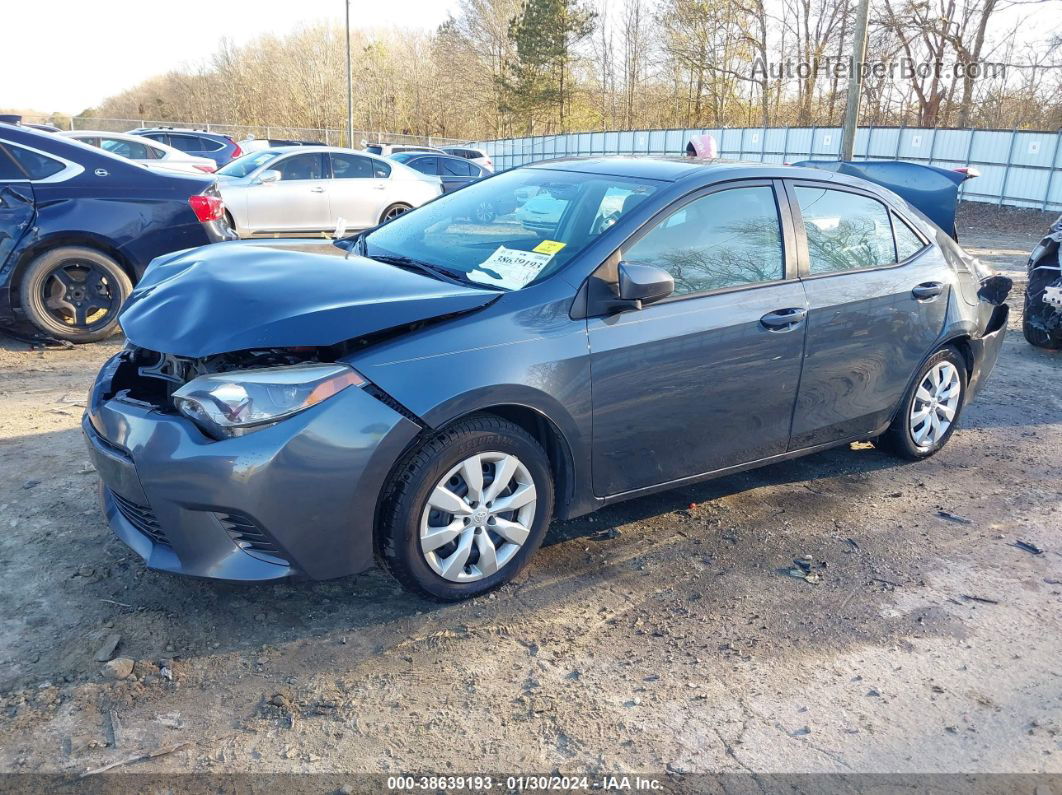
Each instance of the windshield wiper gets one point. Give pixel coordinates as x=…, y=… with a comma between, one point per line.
x=431, y=270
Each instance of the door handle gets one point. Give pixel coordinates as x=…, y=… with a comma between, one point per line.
x=927, y=290
x=783, y=319
x=378, y=187
x=317, y=190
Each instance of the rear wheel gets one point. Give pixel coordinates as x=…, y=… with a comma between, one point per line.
x=74, y=293
x=1039, y=322
x=466, y=510
x=930, y=408
x=394, y=211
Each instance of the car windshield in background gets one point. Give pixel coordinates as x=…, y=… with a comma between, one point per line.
x=513, y=229
x=243, y=166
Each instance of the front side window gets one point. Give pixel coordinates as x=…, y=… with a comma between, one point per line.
x=725, y=239
x=845, y=231
x=513, y=229
x=307, y=166
x=35, y=164
x=351, y=167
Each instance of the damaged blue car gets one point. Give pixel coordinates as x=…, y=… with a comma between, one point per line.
x=432, y=393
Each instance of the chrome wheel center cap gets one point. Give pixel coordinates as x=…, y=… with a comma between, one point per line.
x=480, y=517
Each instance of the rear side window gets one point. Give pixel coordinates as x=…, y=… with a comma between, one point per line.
x=351, y=167
x=8, y=170
x=907, y=242
x=380, y=169
x=134, y=150
x=845, y=231
x=194, y=143
x=36, y=165
x=725, y=239
x=457, y=168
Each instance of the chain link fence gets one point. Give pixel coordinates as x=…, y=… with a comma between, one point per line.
x=329, y=136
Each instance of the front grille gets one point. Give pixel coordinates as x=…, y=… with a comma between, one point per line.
x=249, y=536
x=141, y=517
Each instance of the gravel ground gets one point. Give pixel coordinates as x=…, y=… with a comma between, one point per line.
x=664, y=634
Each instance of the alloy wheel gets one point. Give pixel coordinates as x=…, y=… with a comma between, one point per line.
x=935, y=404
x=394, y=212
x=81, y=294
x=478, y=517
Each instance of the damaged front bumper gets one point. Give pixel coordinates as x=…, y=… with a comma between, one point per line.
x=297, y=498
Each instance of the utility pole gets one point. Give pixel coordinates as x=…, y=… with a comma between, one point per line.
x=855, y=81
x=350, y=88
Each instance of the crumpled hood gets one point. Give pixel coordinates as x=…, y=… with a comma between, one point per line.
x=235, y=296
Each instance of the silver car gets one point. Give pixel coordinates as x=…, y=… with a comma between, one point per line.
x=310, y=189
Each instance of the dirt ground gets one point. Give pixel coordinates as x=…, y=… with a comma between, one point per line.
x=663, y=635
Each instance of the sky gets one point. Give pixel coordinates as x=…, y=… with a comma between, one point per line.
x=82, y=52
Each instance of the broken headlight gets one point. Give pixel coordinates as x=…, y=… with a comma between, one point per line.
x=242, y=401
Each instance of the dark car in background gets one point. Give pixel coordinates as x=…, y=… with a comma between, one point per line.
x=219, y=148
x=78, y=226
x=440, y=389
x=453, y=172
x=1041, y=322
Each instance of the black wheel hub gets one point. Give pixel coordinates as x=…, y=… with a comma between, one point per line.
x=80, y=294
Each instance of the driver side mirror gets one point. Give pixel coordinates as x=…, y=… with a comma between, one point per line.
x=268, y=176
x=644, y=284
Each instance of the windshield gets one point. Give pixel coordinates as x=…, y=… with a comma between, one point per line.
x=242, y=166
x=405, y=157
x=512, y=229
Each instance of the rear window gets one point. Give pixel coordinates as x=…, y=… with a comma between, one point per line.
x=374, y=149
x=36, y=165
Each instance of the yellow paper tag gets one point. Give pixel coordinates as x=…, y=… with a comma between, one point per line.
x=549, y=247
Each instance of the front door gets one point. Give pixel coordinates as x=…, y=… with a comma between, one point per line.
x=878, y=298
x=707, y=378
x=297, y=202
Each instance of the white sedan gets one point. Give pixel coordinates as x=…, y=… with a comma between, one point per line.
x=308, y=189
x=154, y=155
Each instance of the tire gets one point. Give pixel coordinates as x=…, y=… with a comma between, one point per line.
x=1034, y=306
x=452, y=565
x=903, y=436
x=393, y=211
x=74, y=293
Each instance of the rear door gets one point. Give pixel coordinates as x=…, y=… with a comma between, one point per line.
x=355, y=192
x=877, y=297
x=455, y=173
x=16, y=205
x=297, y=202
x=705, y=379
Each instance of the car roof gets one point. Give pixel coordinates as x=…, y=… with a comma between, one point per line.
x=178, y=130
x=676, y=168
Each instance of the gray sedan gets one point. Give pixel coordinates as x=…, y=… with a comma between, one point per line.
x=438, y=389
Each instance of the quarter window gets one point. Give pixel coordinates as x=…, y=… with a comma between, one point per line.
x=725, y=239
x=36, y=165
x=845, y=231
x=907, y=242
x=380, y=169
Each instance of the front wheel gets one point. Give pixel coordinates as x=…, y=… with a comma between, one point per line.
x=466, y=510
x=74, y=293
x=930, y=408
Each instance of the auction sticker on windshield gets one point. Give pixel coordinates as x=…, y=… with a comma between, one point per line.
x=549, y=247
x=510, y=267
